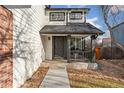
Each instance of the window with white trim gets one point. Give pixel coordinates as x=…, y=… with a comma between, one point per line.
x=75, y=15
x=57, y=16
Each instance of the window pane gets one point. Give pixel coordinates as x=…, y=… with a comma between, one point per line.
x=72, y=44
x=79, y=44
x=75, y=15
x=57, y=16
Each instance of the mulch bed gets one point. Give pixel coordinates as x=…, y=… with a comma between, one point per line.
x=36, y=79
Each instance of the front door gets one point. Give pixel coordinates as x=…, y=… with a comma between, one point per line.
x=59, y=46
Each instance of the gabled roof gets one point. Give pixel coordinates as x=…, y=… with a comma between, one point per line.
x=118, y=25
x=71, y=28
x=106, y=40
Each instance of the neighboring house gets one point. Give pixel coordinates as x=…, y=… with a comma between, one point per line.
x=66, y=33
x=114, y=52
x=118, y=34
x=106, y=42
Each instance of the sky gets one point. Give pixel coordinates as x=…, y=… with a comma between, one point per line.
x=94, y=16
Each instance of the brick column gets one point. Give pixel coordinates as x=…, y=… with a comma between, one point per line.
x=6, y=35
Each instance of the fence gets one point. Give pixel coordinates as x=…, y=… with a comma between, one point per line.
x=110, y=50
x=116, y=53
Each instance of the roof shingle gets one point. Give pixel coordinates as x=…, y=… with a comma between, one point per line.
x=71, y=28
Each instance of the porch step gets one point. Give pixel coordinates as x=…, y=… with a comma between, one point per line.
x=58, y=58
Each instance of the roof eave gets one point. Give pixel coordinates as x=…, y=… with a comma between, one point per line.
x=53, y=9
x=71, y=33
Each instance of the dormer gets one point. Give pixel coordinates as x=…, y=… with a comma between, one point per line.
x=63, y=16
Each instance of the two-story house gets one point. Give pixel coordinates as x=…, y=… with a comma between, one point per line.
x=65, y=35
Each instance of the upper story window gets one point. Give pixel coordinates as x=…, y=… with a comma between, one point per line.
x=57, y=16
x=75, y=15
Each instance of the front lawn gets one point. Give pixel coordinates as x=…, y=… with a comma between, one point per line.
x=92, y=79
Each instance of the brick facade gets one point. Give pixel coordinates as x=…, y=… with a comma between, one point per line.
x=5, y=47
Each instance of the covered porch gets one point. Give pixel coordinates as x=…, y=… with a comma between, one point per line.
x=72, y=42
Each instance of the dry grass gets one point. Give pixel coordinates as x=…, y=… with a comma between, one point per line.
x=112, y=68
x=117, y=62
x=36, y=79
x=91, y=79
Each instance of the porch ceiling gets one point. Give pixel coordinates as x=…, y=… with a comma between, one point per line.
x=71, y=28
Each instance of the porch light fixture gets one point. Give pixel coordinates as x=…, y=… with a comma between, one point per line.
x=94, y=36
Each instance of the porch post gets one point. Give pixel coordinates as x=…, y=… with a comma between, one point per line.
x=68, y=48
x=53, y=47
x=83, y=47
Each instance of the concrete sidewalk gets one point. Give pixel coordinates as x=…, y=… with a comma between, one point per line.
x=56, y=77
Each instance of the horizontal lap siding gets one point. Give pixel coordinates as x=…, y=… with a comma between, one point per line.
x=118, y=34
x=28, y=50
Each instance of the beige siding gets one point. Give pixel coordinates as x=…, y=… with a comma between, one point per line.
x=47, y=44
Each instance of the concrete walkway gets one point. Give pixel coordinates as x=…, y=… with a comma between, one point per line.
x=56, y=76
